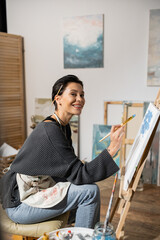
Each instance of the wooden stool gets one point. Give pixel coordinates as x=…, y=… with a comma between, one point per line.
x=31, y=231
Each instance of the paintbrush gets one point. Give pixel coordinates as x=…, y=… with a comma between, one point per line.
x=57, y=93
x=122, y=124
x=109, y=208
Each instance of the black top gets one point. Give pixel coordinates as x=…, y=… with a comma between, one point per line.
x=47, y=151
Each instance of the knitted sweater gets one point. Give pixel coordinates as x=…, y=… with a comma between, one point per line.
x=48, y=151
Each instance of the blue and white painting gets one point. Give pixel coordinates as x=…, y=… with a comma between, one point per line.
x=99, y=131
x=83, y=41
x=154, y=49
x=138, y=147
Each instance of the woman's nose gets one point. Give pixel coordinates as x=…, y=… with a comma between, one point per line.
x=79, y=98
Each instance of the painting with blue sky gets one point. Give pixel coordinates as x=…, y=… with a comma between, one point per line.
x=83, y=41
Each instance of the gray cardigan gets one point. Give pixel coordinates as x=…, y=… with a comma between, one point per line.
x=48, y=151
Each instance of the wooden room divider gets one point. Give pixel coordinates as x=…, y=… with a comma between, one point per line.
x=12, y=90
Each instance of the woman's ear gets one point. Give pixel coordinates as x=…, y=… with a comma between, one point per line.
x=58, y=99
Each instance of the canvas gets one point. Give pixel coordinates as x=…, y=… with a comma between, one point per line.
x=149, y=121
x=83, y=41
x=154, y=49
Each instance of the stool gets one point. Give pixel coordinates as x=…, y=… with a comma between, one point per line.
x=31, y=231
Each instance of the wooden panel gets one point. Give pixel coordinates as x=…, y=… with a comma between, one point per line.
x=12, y=97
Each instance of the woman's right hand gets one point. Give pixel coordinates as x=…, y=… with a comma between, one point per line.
x=117, y=133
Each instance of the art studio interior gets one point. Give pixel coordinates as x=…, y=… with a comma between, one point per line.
x=93, y=68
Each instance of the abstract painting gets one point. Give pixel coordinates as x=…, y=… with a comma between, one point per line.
x=154, y=49
x=99, y=131
x=138, y=147
x=83, y=41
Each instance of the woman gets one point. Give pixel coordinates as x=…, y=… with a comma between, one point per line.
x=46, y=178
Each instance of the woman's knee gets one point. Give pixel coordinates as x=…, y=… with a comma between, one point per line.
x=84, y=193
x=93, y=191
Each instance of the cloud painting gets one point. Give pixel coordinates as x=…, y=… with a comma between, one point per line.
x=83, y=41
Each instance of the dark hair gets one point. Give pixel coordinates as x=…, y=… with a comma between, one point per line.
x=61, y=84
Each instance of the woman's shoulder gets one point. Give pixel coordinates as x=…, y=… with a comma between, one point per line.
x=49, y=123
x=49, y=119
x=43, y=127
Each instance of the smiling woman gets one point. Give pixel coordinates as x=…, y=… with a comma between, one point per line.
x=69, y=99
x=47, y=179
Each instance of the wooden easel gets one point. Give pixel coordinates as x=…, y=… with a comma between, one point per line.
x=123, y=202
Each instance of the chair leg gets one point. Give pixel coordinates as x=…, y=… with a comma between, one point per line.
x=18, y=237
x=31, y=238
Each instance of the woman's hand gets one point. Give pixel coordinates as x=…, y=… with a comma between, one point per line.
x=116, y=137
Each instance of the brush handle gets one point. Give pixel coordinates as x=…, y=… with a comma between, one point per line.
x=122, y=124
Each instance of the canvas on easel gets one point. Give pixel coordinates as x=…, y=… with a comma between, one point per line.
x=140, y=143
x=133, y=167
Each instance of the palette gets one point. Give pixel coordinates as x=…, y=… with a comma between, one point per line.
x=73, y=233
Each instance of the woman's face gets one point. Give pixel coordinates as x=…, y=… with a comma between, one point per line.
x=72, y=100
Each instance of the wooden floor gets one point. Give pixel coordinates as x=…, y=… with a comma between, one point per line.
x=143, y=219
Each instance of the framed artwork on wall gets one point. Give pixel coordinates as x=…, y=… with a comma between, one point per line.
x=153, y=75
x=83, y=41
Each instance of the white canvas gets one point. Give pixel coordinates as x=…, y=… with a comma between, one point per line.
x=140, y=143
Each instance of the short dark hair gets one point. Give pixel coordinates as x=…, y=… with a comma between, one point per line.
x=62, y=84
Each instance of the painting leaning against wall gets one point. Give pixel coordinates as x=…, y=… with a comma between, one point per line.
x=153, y=78
x=83, y=41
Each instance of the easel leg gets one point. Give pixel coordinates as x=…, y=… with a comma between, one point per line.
x=122, y=220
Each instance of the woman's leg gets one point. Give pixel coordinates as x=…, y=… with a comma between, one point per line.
x=87, y=200
x=84, y=198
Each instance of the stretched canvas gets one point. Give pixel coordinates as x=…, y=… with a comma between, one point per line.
x=149, y=121
x=83, y=41
x=154, y=49
x=151, y=169
x=99, y=131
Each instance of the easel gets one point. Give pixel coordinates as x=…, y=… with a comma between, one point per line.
x=125, y=197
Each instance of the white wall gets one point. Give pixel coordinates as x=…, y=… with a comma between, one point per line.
x=124, y=76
